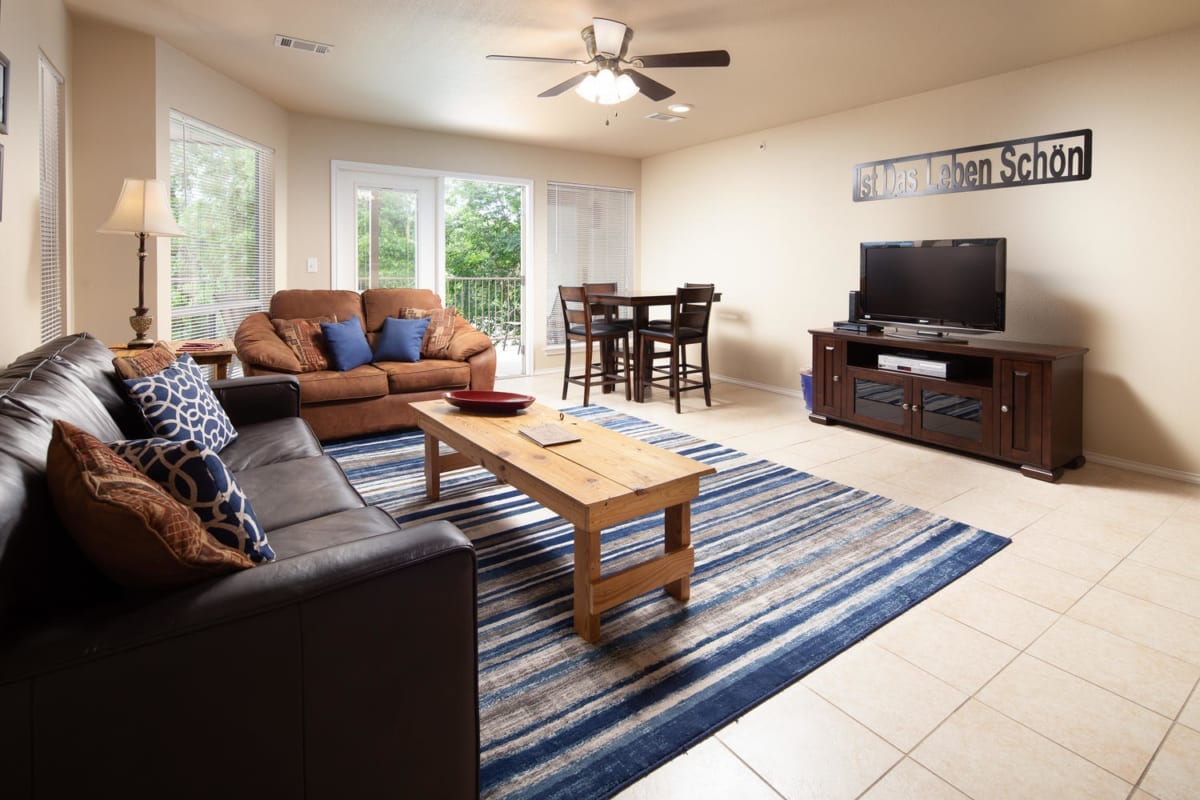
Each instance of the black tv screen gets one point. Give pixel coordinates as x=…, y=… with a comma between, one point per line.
x=934, y=283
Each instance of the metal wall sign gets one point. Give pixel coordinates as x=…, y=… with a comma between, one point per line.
x=1051, y=158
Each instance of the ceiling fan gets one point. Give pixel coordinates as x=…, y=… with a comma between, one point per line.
x=610, y=79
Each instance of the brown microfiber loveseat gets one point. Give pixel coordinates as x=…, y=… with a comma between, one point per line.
x=375, y=397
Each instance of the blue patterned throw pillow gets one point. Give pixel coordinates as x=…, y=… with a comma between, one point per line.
x=198, y=478
x=179, y=405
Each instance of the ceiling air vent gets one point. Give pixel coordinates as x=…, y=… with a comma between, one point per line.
x=661, y=117
x=302, y=44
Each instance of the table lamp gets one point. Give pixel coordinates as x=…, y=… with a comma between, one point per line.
x=143, y=210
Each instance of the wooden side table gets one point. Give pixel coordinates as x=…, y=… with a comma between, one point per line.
x=217, y=352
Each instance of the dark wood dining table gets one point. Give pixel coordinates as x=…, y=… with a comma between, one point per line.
x=641, y=301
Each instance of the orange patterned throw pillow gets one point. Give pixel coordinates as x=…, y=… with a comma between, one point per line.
x=129, y=526
x=305, y=338
x=436, y=343
x=148, y=362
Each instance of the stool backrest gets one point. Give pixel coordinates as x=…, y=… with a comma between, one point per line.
x=693, y=307
x=575, y=308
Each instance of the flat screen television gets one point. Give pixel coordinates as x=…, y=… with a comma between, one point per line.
x=934, y=285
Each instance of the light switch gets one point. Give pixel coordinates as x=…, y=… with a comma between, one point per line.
x=312, y=264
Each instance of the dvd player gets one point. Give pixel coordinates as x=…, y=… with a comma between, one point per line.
x=920, y=365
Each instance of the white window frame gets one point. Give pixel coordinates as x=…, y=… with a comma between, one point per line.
x=260, y=285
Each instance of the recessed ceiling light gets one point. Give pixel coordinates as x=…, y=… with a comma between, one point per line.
x=680, y=108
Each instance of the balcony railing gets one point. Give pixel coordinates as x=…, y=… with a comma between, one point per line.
x=493, y=305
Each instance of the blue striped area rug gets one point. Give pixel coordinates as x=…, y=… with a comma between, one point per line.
x=791, y=569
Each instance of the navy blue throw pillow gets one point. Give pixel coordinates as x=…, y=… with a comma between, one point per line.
x=347, y=344
x=400, y=339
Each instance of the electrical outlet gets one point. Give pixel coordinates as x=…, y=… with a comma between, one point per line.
x=312, y=264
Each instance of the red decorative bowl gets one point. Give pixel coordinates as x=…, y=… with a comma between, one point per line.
x=490, y=402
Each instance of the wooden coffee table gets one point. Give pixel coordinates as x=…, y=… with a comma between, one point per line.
x=604, y=479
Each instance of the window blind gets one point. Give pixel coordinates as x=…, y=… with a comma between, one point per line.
x=591, y=241
x=222, y=194
x=52, y=197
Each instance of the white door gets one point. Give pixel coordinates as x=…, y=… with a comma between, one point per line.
x=385, y=229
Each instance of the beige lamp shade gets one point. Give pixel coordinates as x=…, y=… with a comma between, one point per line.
x=143, y=207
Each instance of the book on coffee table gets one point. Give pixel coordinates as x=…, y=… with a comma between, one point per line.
x=549, y=435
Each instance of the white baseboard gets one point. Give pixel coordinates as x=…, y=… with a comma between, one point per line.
x=763, y=386
x=1138, y=466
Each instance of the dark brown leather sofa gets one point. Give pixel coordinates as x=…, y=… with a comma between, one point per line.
x=346, y=668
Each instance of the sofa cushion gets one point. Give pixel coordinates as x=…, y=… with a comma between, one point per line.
x=132, y=529
x=289, y=492
x=153, y=359
x=258, y=344
x=400, y=339
x=355, y=384
x=306, y=339
x=347, y=344
x=196, y=477
x=179, y=404
x=332, y=530
x=271, y=441
x=467, y=341
x=308, y=303
x=441, y=329
x=379, y=304
x=428, y=374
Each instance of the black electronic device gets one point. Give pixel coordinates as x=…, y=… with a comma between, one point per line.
x=934, y=285
x=861, y=327
x=852, y=309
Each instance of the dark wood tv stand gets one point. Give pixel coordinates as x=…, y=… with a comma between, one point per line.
x=1010, y=401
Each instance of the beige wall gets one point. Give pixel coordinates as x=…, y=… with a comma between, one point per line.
x=1110, y=263
x=26, y=27
x=126, y=85
x=317, y=141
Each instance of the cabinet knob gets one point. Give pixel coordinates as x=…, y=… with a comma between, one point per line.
x=915, y=408
x=1003, y=409
x=904, y=406
x=836, y=378
x=829, y=347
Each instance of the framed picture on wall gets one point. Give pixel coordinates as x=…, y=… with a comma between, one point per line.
x=3, y=93
x=1, y=183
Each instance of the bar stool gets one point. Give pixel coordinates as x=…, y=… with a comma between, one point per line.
x=579, y=315
x=689, y=325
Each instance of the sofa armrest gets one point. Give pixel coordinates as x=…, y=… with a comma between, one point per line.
x=347, y=671
x=258, y=398
x=483, y=370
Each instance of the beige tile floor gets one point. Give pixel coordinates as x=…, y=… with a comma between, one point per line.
x=1064, y=667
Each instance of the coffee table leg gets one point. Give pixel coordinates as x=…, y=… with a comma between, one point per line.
x=433, y=469
x=677, y=529
x=587, y=572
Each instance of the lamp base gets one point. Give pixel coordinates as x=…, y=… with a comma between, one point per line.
x=140, y=322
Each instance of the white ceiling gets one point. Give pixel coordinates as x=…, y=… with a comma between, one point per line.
x=420, y=63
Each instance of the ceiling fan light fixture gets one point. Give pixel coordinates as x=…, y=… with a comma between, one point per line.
x=606, y=87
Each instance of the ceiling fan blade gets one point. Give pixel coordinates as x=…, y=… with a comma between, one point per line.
x=537, y=58
x=649, y=87
x=700, y=58
x=610, y=35
x=570, y=83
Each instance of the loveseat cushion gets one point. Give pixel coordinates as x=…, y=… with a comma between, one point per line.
x=441, y=329
x=288, y=492
x=130, y=527
x=379, y=304
x=153, y=359
x=179, y=404
x=428, y=374
x=258, y=344
x=347, y=344
x=309, y=303
x=269, y=442
x=198, y=478
x=306, y=339
x=400, y=340
x=354, y=384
